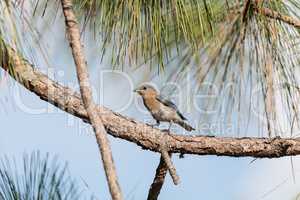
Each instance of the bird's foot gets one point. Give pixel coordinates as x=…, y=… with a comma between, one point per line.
x=153, y=125
x=166, y=131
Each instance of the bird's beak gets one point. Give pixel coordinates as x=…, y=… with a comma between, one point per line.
x=136, y=90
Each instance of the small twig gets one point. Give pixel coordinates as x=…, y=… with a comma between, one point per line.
x=245, y=10
x=158, y=181
x=278, y=16
x=167, y=158
x=172, y=170
x=293, y=170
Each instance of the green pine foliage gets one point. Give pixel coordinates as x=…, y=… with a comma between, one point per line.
x=37, y=177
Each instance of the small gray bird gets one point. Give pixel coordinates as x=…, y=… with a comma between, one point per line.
x=161, y=110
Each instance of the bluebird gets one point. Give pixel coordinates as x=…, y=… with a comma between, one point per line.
x=162, y=110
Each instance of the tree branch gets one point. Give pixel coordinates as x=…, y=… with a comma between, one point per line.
x=278, y=16
x=139, y=133
x=167, y=157
x=245, y=10
x=161, y=171
x=158, y=181
x=72, y=30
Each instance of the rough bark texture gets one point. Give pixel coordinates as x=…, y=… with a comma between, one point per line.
x=158, y=181
x=171, y=167
x=73, y=32
x=278, y=16
x=143, y=135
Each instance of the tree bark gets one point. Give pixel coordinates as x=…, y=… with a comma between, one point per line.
x=139, y=133
x=158, y=180
x=73, y=33
x=167, y=157
x=278, y=16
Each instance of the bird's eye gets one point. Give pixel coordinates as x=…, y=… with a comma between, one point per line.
x=144, y=88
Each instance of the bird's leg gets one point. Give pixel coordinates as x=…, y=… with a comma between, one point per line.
x=156, y=124
x=170, y=126
x=169, y=129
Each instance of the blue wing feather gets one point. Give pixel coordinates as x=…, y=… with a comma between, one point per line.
x=169, y=103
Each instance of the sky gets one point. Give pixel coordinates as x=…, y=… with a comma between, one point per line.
x=29, y=124
x=202, y=177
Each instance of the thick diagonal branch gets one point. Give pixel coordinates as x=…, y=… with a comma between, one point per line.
x=139, y=133
x=73, y=33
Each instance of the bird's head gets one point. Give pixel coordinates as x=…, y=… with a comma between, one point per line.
x=146, y=91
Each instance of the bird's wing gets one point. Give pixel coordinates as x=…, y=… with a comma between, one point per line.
x=169, y=103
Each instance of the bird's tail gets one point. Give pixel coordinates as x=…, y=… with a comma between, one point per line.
x=185, y=125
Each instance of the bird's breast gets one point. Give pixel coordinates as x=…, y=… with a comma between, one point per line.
x=159, y=111
x=152, y=105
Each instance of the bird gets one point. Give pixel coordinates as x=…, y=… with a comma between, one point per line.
x=162, y=110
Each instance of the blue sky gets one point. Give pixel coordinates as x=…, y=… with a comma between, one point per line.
x=202, y=177
x=50, y=130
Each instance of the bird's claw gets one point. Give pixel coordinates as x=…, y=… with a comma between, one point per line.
x=152, y=125
x=166, y=131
